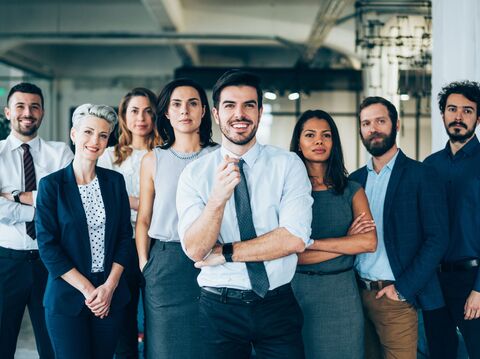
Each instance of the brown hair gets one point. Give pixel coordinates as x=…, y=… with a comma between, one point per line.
x=122, y=149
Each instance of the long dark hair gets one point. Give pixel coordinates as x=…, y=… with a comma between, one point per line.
x=336, y=175
x=165, y=127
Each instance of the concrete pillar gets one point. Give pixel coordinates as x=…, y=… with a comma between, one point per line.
x=456, y=53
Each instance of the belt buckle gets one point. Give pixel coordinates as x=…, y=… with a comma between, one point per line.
x=368, y=283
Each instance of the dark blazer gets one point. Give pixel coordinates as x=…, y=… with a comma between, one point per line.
x=63, y=240
x=415, y=222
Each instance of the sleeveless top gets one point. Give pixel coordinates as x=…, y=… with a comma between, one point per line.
x=169, y=166
x=332, y=216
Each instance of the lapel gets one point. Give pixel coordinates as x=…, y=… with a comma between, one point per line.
x=108, y=202
x=362, y=176
x=75, y=203
x=393, y=183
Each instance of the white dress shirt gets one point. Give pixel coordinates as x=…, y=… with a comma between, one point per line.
x=48, y=157
x=280, y=196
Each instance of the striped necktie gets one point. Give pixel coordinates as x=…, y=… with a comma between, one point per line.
x=30, y=183
x=256, y=270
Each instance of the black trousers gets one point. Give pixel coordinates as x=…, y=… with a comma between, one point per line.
x=22, y=284
x=441, y=324
x=84, y=336
x=230, y=327
x=127, y=346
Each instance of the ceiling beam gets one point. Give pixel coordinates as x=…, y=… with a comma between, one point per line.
x=164, y=38
x=327, y=16
x=170, y=17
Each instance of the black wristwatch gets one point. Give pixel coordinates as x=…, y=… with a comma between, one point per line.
x=227, y=251
x=16, y=195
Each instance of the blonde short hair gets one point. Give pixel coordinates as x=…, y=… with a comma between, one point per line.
x=100, y=111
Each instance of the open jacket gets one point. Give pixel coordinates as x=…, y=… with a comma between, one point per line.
x=415, y=225
x=63, y=239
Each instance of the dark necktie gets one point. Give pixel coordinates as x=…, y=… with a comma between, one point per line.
x=30, y=182
x=256, y=270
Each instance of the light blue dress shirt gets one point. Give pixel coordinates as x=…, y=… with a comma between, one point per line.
x=376, y=266
x=280, y=196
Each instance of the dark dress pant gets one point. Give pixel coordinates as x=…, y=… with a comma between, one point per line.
x=127, y=346
x=441, y=324
x=85, y=335
x=22, y=284
x=272, y=325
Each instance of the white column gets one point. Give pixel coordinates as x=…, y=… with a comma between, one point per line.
x=456, y=53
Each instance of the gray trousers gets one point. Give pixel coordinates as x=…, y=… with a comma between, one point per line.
x=171, y=303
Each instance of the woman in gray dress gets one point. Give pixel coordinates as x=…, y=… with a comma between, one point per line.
x=325, y=283
x=171, y=291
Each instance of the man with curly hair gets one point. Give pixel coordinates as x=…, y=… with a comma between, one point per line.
x=458, y=166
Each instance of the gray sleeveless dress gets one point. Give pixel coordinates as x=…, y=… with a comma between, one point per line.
x=171, y=291
x=331, y=305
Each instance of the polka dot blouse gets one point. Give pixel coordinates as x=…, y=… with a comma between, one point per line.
x=95, y=212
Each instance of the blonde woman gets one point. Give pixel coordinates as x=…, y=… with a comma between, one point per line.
x=85, y=241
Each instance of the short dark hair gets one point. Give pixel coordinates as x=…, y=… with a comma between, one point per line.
x=469, y=89
x=372, y=100
x=336, y=173
x=163, y=123
x=26, y=87
x=236, y=78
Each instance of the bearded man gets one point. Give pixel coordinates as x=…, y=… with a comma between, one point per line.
x=24, y=159
x=410, y=212
x=458, y=166
x=244, y=212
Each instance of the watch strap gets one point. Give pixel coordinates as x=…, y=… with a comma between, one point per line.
x=16, y=195
x=227, y=251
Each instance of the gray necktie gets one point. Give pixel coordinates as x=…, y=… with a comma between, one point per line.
x=256, y=270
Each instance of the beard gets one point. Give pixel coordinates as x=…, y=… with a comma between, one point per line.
x=455, y=135
x=238, y=139
x=379, y=148
x=25, y=131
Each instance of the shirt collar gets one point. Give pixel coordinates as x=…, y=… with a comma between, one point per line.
x=249, y=157
x=16, y=143
x=470, y=148
x=389, y=165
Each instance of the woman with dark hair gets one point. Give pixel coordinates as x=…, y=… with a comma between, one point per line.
x=171, y=291
x=137, y=135
x=325, y=283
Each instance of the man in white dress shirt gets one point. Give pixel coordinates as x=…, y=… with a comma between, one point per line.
x=24, y=159
x=244, y=212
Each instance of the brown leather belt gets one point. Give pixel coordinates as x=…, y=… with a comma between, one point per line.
x=460, y=265
x=374, y=284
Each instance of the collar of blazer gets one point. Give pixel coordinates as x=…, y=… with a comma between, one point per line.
x=69, y=175
x=75, y=201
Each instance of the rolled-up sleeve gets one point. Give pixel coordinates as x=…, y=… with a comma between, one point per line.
x=190, y=204
x=295, y=212
x=12, y=212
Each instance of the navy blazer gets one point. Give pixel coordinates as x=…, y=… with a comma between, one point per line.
x=415, y=222
x=63, y=239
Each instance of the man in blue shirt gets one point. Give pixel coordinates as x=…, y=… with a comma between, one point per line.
x=410, y=213
x=458, y=166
